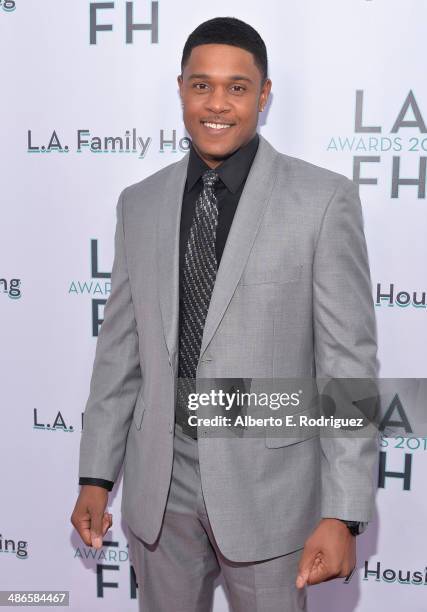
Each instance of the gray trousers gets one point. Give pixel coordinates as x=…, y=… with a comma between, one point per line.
x=177, y=573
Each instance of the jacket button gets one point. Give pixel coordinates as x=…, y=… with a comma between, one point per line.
x=170, y=427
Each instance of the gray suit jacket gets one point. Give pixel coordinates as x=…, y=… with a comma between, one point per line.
x=292, y=298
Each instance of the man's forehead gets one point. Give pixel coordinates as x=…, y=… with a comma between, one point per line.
x=234, y=55
x=230, y=77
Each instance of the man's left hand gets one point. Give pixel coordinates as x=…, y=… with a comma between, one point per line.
x=329, y=552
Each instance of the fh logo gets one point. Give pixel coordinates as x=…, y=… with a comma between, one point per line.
x=130, y=25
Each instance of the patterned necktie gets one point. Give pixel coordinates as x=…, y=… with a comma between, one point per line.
x=199, y=273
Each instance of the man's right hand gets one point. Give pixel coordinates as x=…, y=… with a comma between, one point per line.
x=89, y=516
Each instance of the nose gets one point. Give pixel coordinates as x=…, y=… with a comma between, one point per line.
x=217, y=101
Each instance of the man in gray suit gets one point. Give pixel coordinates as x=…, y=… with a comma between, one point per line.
x=235, y=262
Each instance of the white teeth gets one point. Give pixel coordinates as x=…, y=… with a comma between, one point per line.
x=216, y=126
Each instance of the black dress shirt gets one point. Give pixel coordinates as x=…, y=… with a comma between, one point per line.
x=232, y=172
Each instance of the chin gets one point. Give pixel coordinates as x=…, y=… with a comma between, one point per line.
x=216, y=150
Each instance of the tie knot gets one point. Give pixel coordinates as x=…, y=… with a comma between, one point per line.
x=209, y=178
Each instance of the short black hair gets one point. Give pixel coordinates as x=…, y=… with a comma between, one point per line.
x=228, y=31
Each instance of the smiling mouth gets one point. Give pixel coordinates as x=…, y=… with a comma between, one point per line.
x=216, y=126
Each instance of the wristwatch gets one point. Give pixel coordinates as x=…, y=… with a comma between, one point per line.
x=355, y=527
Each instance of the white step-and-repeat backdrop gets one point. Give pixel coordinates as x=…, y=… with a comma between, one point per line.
x=90, y=104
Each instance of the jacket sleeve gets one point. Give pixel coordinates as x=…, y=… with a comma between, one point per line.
x=116, y=376
x=345, y=347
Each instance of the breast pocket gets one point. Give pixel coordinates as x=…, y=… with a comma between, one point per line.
x=258, y=272
x=138, y=413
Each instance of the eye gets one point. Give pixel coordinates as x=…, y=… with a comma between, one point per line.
x=195, y=85
x=240, y=88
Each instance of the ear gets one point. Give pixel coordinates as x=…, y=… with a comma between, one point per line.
x=180, y=82
x=265, y=91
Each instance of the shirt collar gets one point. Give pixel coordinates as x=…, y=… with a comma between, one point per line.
x=232, y=171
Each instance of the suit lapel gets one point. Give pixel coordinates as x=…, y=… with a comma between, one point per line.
x=247, y=219
x=167, y=255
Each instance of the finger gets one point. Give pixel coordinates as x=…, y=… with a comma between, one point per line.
x=318, y=574
x=321, y=572
x=85, y=522
x=96, y=529
x=82, y=525
x=107, y=522
x=84, y=532
x=306, y=563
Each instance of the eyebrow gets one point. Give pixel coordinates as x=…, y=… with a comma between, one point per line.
x=233, y=77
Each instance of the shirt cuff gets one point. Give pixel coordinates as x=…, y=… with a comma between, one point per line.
x=99, y=482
